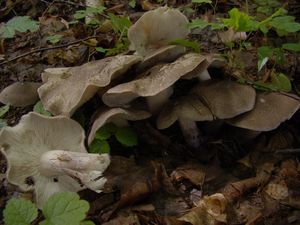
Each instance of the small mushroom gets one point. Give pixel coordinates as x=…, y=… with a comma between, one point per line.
x=187, y=110
x=47, y=155
x=118, y=116
x=66, y=89
x=156, y=83
x=20, y=94
x=207, y=101
x=271, y=109
x=157, y=28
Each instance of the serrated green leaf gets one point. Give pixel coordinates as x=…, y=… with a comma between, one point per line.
x=20, y=24
x=39, y=108
x=295, y=47
x=99, y=146
x=126, y=136
x=240, y=21
x=64, y=208
x=3, y=110
x=53, y=39
x=19, y=212
x=198, y=23
x=186, y=43
x=202, y=1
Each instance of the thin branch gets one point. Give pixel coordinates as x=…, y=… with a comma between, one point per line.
x=46, y=49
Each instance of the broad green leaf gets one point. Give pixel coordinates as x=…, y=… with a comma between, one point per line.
x=295, y=47
x=281, y=82
x=19, y=212
x=99, y=146
x=284, y=25
x=3, y=110
x=20, y=24
x=132, y=3
x=264, y=54
x=186, y=43
x=240, y=21
x=64, y=208
x=119, y=24
x=105, y=132
x=202, y=1
x=81, y=14
x=198, y=23
x=39, y=108
x=126, y=136
x=100, y=49
x=53, y=39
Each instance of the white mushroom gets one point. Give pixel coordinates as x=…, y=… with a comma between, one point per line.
x=47, y=155
x=157, y=28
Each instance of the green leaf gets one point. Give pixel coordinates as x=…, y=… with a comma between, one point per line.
x=105, y=132
x=39, y=108
x=186, y=43
x=202, y=1
x=264, y=54
x=99, y=146
x=284, y=25
x=19, y=212
x=100, y=49
x=3, y=110
x=132, y=3
x=2, y=123
x=126, y=136
x=240, y=21
x=87, y=222
x=295, y=47
x=81, y=14
x=53, y=39
x=198, y=23
x=281, y=82
x=64, y=208
x=20, y=24
x=119, y=24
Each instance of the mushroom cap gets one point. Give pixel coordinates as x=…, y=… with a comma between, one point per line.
x=271, y=109
x=188, y=107
x=107, y=115
x=155, y=80
x=225, y=99
x=23, y=144
x=66, y=89
x=157, y=27
x=20, y=94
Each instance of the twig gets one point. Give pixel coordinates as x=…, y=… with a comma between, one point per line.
x=46, y=49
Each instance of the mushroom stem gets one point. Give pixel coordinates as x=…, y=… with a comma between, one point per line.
x=156, y=102
x=204, y=75
x=190, y=132
x=57, y=162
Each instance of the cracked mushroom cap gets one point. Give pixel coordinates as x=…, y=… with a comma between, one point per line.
x=66, y=89
x=225, y=99
x=156, y=28
x=188, y=107
x=271, y=109
x=107, y=115
x=20, y=94
x=155, y=80
x=25, y=143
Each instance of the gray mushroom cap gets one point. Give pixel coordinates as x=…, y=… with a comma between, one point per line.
x=66, y=89
x=20, y=94
x=225, y=99
x=155, y=80
x=115, y=115
x=271, y=109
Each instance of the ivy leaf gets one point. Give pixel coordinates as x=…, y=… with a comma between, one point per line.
x=39, y=108
x=295, y=47
x=20, y=24
x=19, y=212
x=4, y=110
x=64, y=208
x=126, y=136
x=186, y=43
x=240, y=21
x=202, y=1
x=99, y=146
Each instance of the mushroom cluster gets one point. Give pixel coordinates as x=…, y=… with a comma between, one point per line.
x=47, y=154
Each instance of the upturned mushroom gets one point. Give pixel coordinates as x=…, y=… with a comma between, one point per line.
x=156, y=83
x=47, y=155
x=157, y=28
x=118, y=116
x=271, y=109
x=66, y=89
x=207, y=101
x=20, y=94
